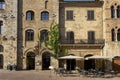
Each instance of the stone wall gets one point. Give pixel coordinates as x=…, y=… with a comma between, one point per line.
x=112, y=47
x=80, y=25
x=9, y=32
x=37, y=6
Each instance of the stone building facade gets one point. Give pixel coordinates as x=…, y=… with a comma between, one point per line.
x=89, y=28
x=36, y=17
x=8, y=33
x=81, y=29
x=111, y=23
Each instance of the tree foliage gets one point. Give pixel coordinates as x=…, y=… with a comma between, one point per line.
x=53, y=42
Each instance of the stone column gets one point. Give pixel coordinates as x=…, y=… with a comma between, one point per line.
x=115, y=12
x=38, y=63
x=24, y=63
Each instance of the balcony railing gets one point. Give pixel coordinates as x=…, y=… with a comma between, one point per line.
x=83, y=41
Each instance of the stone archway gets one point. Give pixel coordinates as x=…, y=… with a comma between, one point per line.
x=46, y=60
x=30, y=61
x=1, y=61
x=89, y=64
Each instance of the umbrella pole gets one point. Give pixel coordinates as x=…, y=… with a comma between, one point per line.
x=70, y=66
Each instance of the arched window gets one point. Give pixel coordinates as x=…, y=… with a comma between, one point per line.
x=29, y=15
x=44, y=35
x=1, y=48
x=112, y=12
x=44, y=15
x=29, y=35
x=113, y=34
x=118, y=35
x=1, y=24
x=118, y=11
x=2, y=4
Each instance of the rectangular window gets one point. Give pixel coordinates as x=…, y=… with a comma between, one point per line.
x=69, y=15
x=90, y=14
x=91, y=36
x=2, y=5
x=70, y=36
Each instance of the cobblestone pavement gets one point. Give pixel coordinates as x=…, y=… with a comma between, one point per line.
x=45, y=75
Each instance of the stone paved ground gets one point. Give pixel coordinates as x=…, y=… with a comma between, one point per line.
x=44, y=75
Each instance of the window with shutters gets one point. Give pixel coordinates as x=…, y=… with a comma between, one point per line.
x=70, y=36
x=91, y=36
x=69, y=15
x=90, y=14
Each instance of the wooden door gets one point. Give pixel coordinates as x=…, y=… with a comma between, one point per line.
x=116, y=65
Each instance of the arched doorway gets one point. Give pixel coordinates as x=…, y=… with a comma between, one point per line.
x=116, y=63
x=30, y=61
x=46, y=60
x=1, y=61
x=89, y=64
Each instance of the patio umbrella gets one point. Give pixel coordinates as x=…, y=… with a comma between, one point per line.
x=71, y=57
x=96, y=57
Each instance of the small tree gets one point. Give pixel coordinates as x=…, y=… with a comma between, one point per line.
x=53, y=42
